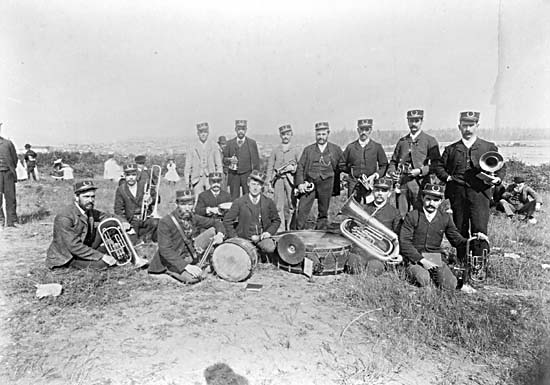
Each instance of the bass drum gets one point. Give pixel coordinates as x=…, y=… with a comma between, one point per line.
x=235, y=259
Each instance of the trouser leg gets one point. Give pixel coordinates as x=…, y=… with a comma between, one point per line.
x=418, y=275
x=243, y=181
x=507, y=207
x=279, y=197
x=82, y=264
x=479, y=211
x=528, y=209
x=7, y=187
x=304, y=207
x=324, y=193
x=233, y=180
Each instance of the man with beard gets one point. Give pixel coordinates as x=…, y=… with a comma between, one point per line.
x=201, y=158
x=255, y=214
x=241, y=156
x=178, y=254
x=413, y=155
x=365, y=161
x=76, y=241
x=381, y=210
x=129, y=198
x=459, y=167
x=319, y=164
x=209, y=201
x=420, y=240
x=281, y=167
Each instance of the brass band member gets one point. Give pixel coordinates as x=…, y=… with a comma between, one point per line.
x=256, y=215
x=364, y=158
x=129, y=203
x=8, y=178
x=209, y=200
x=177, y=254
x=76, y=241
x=281, y=167
x=319, y=164
x=459, y=167
x=420, y=238
x=413, y=154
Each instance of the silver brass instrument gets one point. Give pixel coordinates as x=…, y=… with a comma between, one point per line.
x=401, y=171
x=309, y=188
x=118, y=243
x=490, y=162
x=151, y=190
x=477, y=263
x=369, y=234
x=289, y=166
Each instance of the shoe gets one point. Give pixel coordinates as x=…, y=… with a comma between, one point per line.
x=532, y=221
x=468, y=289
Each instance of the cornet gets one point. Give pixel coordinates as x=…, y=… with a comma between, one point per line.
x=309, y=188
x=151, y=190
x=118, y=243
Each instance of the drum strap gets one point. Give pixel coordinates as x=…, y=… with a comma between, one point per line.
x=190, y=247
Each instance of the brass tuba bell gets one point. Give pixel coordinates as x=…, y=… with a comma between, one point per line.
x=490, y=162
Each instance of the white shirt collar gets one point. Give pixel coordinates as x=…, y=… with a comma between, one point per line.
x=322, y=147
x=429, y=216
x=133, y=189
x=80, y=209
x=254, y=200
x=363, y=143
x=470, y=142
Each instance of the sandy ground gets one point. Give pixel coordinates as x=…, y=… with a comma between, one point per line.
x=290, y=332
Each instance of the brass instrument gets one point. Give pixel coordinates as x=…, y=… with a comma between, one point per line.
x=224, y=207
x=309, y=188
x=402, y=170
x=118, y=243
x=490, y=162
x=369, y=234
x=233, y=163
x=477, y=262
x=151, y=188
x=289, y=166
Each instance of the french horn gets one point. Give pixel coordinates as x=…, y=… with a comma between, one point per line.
x=369, y=234
x=118, y=243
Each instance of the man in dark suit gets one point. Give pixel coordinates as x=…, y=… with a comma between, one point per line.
x=241, y=156
x=413, y=155
x=365, y=160
x=209, y=200
x=76, y=241
x=254, y=214
x=420, y=241
x=319, y=164
x=459, y=167
x=182, y=236
x=8, y=178
x=129, y=198
x=30, y=161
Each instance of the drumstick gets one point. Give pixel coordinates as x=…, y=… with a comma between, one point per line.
x=205, y=254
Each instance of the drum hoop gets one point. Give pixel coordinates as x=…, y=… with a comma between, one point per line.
x=325, y=249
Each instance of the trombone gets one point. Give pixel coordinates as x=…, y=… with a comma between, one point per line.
x=151, y=190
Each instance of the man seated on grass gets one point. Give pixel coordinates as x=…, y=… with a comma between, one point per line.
x=520, y=199
x=208, y=201
x=420, y=240
x=177, y=254
x=76, y=241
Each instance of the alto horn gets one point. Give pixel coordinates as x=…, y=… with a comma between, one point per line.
x=369, y=234
x=151, y=190
x=118, y=243
x=490, y=162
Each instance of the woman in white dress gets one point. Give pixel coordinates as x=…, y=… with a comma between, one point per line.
x=171, y=175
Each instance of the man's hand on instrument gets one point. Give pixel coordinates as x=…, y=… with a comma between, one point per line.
x=265, y=235
x=108, y=260
x=495, y=180
x=482, y=237
x=213, y=211
x=195, y=271
x=302, y=188
x=126, y=226
x=370, y=180
x=415, y=172
x=218, y=238
x=428, y=265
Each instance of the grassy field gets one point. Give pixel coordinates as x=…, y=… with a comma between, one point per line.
x=499, y=335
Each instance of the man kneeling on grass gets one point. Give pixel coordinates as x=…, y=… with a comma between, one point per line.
x=76, y=241
x=420, y=240
x=177, y=254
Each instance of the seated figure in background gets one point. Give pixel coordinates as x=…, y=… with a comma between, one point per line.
x=62, y=171
x=520, y=199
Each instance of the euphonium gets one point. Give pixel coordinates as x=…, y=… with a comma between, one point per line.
x=369, y=234
x=151, y=190
x=490, y=162
x=478, y=260
x=118, y=243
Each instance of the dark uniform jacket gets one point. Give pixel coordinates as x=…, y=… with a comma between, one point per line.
x=70, y=230
x=419, y=236
x=241, y=211
x=365, y=160
x=309, y=168
x=388, y=215
x=252, y=161
x=419, y=153
x=8, y=156
x=30, y=158
x=126, y=205
x=463, y=164
x=176, y=252
x=207, y=199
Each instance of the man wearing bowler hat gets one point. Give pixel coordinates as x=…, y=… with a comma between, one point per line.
x=8, y=178
x=182, y=237
x=520, y=199
x=281, y=168
x=420, y=240
x=201, y=158
x=240, y=156
x=459, y=167
x=411, y=159
x=76, y=242
x=365, y=160
x=209, y=201
x=320, y=164
x=254, y=216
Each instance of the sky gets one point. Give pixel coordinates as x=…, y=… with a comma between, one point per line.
x=99, y=71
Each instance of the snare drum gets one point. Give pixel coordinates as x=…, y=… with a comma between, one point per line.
x=328, y=251
x=235, y=259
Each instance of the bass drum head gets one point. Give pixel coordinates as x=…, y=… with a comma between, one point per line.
x=235, y=259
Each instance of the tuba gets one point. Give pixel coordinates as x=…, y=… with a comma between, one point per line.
x=118, y=243
x=369, y=234
x=151, y=190
x=490, y=162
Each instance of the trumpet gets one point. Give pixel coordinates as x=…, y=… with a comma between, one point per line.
x=309, y=188
x=151, y=190
x=118, y=243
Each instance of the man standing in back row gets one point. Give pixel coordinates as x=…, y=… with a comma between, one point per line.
x=241, y=156
x=8, y=178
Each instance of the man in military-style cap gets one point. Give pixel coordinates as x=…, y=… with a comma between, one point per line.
x=209, y=201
